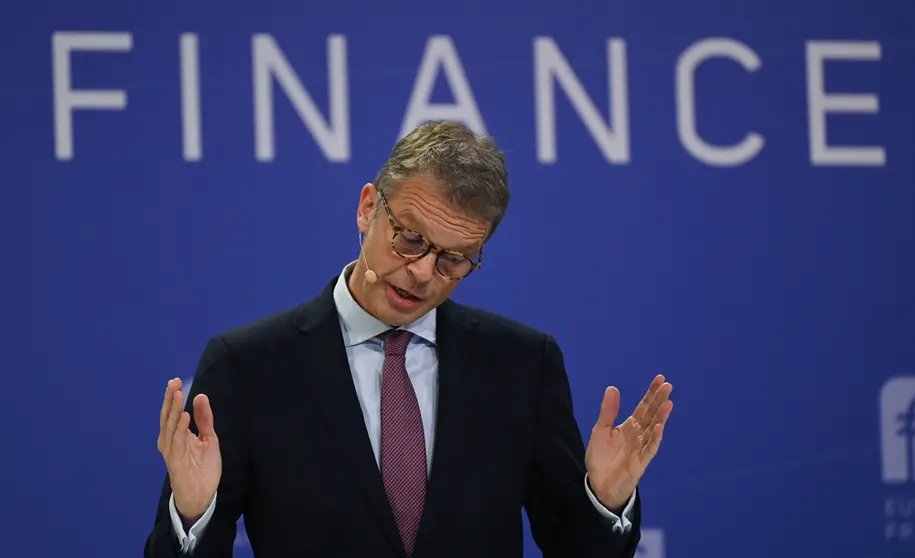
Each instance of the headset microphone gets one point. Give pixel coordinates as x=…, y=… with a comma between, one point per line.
x=370, y=275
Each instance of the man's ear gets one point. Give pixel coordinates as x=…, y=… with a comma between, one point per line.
x=368, y=200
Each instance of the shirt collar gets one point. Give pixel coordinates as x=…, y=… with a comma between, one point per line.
x=360, y=326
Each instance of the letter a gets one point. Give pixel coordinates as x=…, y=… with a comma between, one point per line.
x=440, y=51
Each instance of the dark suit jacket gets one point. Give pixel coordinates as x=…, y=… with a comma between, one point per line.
x=297, y=461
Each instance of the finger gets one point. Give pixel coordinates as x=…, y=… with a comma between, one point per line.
x=663, y=412
x=657, y=427
x=164, y=439
x=609, y=408
x=203, y=416
x=651, y=450
x=661, y=396
x=641, y=409
x=170, y=388
x=174, y=415
x=660, y=417
x=179, y=438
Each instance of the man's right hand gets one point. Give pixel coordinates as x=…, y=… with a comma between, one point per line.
x=193, y=462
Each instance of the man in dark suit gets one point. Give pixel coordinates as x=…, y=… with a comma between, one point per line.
x=382, y=419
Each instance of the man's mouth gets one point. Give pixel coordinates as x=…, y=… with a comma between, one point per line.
x=405, y=294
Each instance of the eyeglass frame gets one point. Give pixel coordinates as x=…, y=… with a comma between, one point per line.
x=430, y=247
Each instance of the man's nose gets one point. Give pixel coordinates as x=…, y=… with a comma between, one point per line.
x=423, y=268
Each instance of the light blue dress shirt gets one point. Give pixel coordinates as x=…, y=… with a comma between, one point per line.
x=366, y=357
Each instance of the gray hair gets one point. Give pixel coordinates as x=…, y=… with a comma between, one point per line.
x=469, y=167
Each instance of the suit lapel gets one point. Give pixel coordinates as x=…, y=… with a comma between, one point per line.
x=458, y=363
x=322, y=357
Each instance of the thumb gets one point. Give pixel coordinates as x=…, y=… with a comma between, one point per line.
x=203, y=416
x=609, y=408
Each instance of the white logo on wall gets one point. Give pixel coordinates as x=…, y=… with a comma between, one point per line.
x=897, y=443
x=651, y=545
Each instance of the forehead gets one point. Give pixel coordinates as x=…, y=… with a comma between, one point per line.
x=418, y=205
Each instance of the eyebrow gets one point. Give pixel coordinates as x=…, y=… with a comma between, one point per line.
x=406, y=221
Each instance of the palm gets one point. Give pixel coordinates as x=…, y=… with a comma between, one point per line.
x=194, y=461
x=617, y=456
x=199, y=466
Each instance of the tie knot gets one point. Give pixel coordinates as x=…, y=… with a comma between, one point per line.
x=395, y=341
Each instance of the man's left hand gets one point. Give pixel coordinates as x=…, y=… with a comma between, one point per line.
x=617, y=456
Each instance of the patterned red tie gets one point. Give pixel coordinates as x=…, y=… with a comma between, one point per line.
x=403, y=443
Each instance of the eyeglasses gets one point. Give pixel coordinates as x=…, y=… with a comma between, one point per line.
x=410, y=244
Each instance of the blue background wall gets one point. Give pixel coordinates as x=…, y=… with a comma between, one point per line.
x=776, y=294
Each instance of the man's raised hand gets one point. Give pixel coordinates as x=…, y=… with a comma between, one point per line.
x=194, y=462
x=618, y=455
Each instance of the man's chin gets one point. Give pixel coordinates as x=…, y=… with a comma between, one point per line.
x=397, y=317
